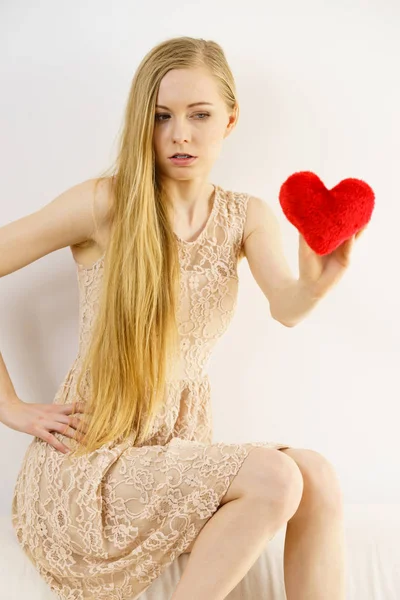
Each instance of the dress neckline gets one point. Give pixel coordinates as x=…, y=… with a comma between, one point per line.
x=179, y=239
x=206, y=226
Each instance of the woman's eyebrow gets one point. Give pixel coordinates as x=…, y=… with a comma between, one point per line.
x=189, y=105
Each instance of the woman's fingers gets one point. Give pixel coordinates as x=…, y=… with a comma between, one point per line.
x=66, y=430
x=74, y=407
x=361, y=231
x=66, y=422
x=74, y=422
x=68, y=409
x=53, y=441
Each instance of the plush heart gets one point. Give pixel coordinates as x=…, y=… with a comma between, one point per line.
x=326, y=218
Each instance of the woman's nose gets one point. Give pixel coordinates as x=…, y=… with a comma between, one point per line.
x=180, y=138
x=180, y=132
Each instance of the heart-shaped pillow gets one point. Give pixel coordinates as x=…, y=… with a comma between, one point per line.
x=326, y=218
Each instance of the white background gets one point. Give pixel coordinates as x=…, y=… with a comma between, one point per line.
x=319, y=90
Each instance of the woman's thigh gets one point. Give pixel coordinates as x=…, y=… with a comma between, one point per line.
x=265, y=473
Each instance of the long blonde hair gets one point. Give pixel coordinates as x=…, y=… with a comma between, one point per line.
x=134, y=342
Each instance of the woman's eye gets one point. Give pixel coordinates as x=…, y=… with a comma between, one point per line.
x=166, y=115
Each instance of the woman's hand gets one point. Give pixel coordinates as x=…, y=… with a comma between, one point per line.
x=321, y=273
x=40, y=420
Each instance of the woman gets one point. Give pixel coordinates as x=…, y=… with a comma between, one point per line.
x=157, y=248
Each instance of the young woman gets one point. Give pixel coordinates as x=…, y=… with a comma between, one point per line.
x=157, y=248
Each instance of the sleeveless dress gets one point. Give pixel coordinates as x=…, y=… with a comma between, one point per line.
x=104, y=526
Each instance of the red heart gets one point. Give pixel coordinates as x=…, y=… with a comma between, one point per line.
x=326, y=218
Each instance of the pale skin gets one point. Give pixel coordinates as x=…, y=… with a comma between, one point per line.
x=260, y=500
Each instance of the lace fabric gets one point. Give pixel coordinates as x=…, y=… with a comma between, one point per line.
x=105, y=525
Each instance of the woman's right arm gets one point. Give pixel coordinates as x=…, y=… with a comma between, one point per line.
x=66, y=221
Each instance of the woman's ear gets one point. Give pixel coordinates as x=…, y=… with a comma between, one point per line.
x=233, y=117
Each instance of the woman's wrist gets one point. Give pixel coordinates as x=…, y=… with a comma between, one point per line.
x=9, y=399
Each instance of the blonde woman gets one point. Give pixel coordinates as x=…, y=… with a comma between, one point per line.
x=157, y=247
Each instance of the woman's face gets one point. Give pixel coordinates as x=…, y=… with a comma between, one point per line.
x=181, y=128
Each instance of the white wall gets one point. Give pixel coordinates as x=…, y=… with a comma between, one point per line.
x=319, y=90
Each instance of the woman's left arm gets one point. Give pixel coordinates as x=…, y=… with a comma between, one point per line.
x=290, y=299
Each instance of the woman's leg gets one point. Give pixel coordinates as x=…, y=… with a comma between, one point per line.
x=314, y=556
x=263, y=496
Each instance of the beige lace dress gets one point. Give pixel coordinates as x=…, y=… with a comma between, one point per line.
x=104, y=526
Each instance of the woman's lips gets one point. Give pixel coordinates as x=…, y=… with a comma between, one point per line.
x=183, y=162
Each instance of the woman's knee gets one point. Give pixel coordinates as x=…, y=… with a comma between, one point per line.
x=271, y=477
x=280, y=481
